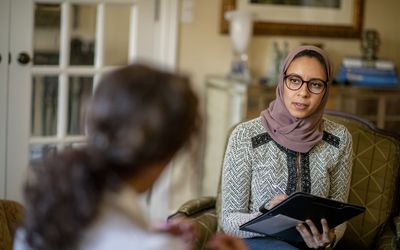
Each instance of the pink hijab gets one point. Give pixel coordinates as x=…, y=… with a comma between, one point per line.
x=299, y=135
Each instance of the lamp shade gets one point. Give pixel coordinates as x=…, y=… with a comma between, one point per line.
x=240, y=28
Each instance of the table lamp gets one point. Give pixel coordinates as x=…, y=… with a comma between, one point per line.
x=240, y=30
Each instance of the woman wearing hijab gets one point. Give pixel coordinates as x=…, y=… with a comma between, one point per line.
x=289, y=148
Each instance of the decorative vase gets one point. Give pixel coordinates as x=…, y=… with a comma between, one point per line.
x=370, y=43
x=240, y=30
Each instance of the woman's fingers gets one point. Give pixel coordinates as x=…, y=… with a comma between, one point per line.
x=328, y=234
x=306, y=235
x=183, y=228
x=312, y=237
x=325, y=231
x=313, y=228
x=276, y=200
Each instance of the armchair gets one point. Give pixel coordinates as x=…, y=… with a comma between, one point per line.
x=374, y=184
x=10, y=216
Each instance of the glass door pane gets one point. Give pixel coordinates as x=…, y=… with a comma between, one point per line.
x=39, y=150
x=46, y=40
x=80, y=89
x=44, y=105
x=116, y=43
x=83, y=34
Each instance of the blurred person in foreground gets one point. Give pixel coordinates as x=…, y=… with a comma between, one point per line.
x=87, y=198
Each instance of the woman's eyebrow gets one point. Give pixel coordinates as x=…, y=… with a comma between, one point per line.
x=311, y=78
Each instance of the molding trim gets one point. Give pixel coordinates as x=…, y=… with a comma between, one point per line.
x=166, y=32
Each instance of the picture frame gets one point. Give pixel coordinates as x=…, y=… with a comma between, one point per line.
x=351, y=29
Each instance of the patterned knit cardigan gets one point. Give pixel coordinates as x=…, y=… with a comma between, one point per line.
x=255, y=166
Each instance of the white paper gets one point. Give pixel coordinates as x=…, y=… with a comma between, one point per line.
x=274, y=224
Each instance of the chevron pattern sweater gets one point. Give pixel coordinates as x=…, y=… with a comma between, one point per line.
x=255, y=165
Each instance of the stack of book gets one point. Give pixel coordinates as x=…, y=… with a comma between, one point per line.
x=358, y=72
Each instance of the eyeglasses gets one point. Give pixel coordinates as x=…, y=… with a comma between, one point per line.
x=294, y=82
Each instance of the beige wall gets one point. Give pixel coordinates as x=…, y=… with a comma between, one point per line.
x=202, y=50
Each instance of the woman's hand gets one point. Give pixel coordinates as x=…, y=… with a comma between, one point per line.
x=276, y=200
x=225, y=242
x=181, y=228
x=313, y=238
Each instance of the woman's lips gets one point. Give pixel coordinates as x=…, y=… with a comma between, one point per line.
x=300, y=106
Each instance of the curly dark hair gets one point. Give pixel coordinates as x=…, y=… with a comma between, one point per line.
x=138, y=116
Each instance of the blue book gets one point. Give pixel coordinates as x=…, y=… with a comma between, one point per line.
x=368, y=71
x=367, y=76
x=357, y=62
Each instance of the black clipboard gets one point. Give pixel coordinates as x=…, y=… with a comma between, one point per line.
x=280, y=222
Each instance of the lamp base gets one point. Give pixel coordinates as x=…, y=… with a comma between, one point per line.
x=239, y=69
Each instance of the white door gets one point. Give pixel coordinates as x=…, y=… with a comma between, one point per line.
x=59, y=49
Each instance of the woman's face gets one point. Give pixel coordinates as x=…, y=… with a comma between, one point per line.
x=302, y=103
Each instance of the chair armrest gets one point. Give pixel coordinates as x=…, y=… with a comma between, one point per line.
x=195, y=206
x=396, y=222
x=389, y=237
x=202, y=212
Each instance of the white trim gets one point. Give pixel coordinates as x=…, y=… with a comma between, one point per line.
x=144, y=24
x=65, y=35
x=99, y=44
x=4, y=44
x=63, y=77
x=79, y=70
x=166, y=33
x=62, y=106
x=84, y=1
x=133, y=33
x=19, y=95
x=56, y=139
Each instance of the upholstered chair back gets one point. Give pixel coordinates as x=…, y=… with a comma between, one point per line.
x=10, y=217
x=374, y=181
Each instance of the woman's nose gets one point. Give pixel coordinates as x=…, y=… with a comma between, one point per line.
x=303, y=91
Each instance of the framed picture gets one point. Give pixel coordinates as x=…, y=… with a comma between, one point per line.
x=323, y=18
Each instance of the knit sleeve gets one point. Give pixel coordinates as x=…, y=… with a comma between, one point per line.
x=341, y=176
x=236, y=184
x=341, y=173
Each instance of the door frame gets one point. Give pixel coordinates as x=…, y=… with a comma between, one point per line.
x=18, y=114
x=4, y=45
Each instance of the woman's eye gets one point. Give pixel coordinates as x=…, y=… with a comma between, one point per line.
x=295, y=81
x=317, y=84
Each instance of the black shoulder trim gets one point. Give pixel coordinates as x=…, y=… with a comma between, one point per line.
x=260, y=139
x=331, y=139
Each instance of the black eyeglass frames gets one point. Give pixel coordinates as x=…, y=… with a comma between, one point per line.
x=295, y=82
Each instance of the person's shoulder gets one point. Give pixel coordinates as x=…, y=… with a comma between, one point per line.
x=335, y=133
x=120, y=239
x=116, y=231
x=20, y=240
x=334, y=128
x=250, y=127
